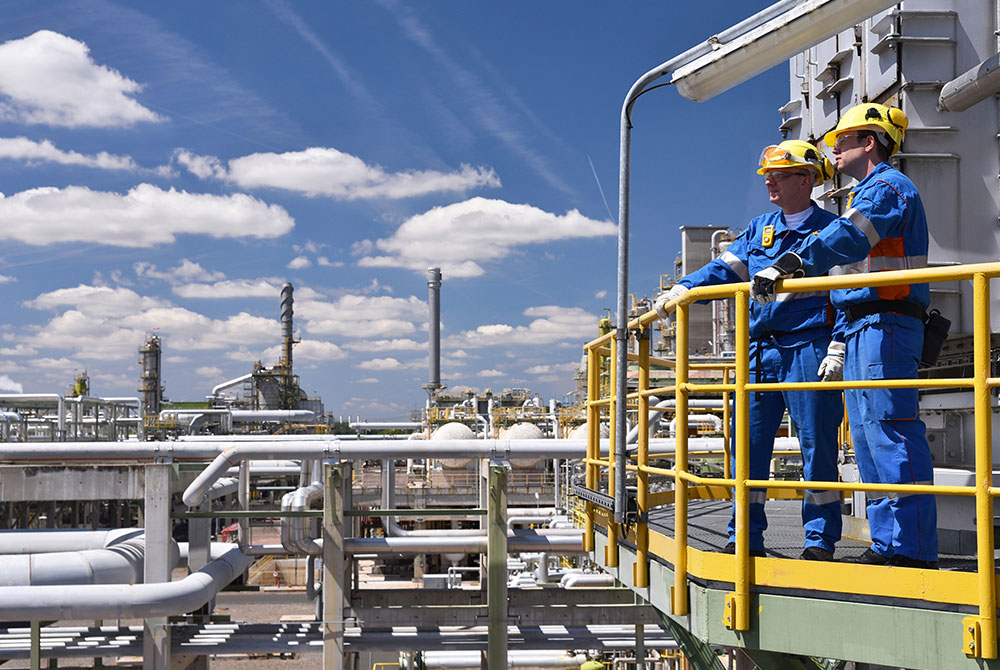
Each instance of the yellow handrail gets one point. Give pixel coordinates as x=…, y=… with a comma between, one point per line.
x=736, y=387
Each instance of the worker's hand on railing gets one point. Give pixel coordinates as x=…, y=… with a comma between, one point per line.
x=831, y=369
x=672, y=293
x=762, y=283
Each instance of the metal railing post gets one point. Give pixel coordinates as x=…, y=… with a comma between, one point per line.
x=679, y=599
x=641, y=575
x=737, y=611
x=593, y=440
x=727, y=428
x=611, y=551
x=987, y=620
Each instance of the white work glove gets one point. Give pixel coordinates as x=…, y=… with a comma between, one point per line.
x=674, y=292
x=831, y=369
x=762, y=283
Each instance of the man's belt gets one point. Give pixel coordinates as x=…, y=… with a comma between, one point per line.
x=905, y=307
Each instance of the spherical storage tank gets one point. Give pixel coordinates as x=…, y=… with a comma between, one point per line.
x=522, y=431
x=453, y=431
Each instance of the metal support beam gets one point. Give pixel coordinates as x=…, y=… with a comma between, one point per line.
x=772, y=660
x=199, y=555
x=36, y=645
x=156, y=564
x=496, y=572
x=333, y=569
x=698, y=653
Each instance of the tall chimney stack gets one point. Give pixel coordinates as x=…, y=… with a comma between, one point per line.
x=433, y=332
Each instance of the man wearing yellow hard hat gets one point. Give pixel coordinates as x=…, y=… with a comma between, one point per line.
x=884, y=228
x=792, y=340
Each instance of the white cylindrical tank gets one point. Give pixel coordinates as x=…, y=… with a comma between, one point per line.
x=453, y=431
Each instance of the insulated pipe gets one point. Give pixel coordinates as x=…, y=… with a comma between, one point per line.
x=232, y=382
x=559, y=544
x=528, y=659
x=44, y=540
x=386, y=425
x=382, y=449
x=972, y=86
x=579, y=580
x=273, y=415
x=223, y=487
x=119, y=564
x=131, y=601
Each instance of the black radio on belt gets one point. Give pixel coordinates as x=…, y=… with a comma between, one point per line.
x=936, y=327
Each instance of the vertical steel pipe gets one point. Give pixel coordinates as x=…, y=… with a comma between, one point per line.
x=986, y=580
x=433, y=329
x=679, y=599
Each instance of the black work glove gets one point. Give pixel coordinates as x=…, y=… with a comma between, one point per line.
x=762, y=283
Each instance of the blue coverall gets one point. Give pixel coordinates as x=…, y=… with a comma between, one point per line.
x=789, y=339
x=884, y=228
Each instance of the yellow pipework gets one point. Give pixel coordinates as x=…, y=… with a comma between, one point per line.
x=738, y=607
x=611, y=551
x=641, y=576
x=593, y=440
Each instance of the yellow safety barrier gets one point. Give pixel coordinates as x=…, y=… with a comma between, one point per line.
x=980, y=630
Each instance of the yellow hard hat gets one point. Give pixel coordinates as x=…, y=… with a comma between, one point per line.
x=796, y=154
x=891, y=122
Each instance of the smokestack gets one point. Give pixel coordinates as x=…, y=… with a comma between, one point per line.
x=286, y=323
x=433, y=330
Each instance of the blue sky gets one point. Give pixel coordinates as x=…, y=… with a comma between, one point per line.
x=168, y=166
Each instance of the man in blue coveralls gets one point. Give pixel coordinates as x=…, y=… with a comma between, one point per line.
x=884, y=228
x=792, y=340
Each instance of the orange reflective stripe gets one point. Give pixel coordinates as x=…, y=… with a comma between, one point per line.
x=889, y=246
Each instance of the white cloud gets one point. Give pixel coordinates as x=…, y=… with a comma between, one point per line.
x=96, y=301
x=380, y=364
x=49, y=78
x=209, y=371
x=398, y=344
x=309, y=350
x=6, y=279
x=490, y=373
x=460, y=236
x=325, y=262
x=325, y=171
x=143, y=217
x=185, y=271
x=359, y=316
x=18, y=350
x=601, y=295
x=9, y=385
x=298, y=263
x=21, y=148
x=231, y=288
x=547, y=369
x=367, y=380
x=551, y=325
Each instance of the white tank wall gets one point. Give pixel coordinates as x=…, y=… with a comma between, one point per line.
x=952, y=157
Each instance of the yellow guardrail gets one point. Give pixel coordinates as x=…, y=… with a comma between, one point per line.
x=980, y=632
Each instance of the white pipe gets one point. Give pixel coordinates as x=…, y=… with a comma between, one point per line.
x=525, y=659
x=223, y=487
x=698, y=418
x=133, y=601
x=273, y=416
x=578, y=580
x=386, y=425
x=119, y=564
x=49, y=540
x=972, y=86
x=232, y=382
x=381, y=449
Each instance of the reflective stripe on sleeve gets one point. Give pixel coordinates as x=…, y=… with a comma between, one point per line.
x=850, y=269
x=785, y=297
x=736, y=265
x=875, y=495
x=821, y=497
x=757, y=497
x=862, y=223
x=880, y=263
